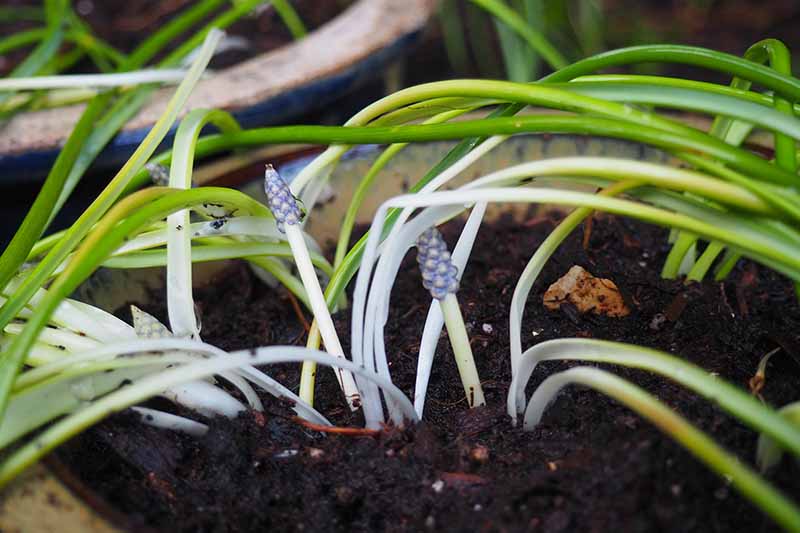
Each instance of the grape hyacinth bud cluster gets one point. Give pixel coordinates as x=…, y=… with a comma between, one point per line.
x=147, y=326
x=159, y=174
x=281, y=202
x=439, y=274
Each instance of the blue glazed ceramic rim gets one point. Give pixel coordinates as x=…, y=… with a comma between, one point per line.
x=32, y=166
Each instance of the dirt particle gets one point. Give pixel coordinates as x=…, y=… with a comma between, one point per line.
x=259, y=418
x=344, y=496
x=316, y=453
x=659, y=319
x=286, y=454
x=462, y=479
x=479, y=454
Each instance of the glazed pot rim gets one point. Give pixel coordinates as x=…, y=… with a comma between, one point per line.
x=266, y=89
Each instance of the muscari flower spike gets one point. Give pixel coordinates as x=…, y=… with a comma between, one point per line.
x=280, y=199
x=159, y=174
x=147, y=326
x=439, y=274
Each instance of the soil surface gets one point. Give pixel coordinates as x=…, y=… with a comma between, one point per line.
x=127, y=24
x=592, y=465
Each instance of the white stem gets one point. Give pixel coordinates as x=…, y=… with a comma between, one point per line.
x=295, y=354
x=546, y=392
x=319, y=168
x=727, y=396
x=525, y=283
x=245, y=226
x=249, y=394
x=65, y=81
x=76, y=316
x=103, y=356
x=323, y=317
x=303, y=409
x=66, y=361
x=462, y=350
x=180, y=301
x=314, y=190
x=35, y=406
x=113, y=329
x=160, y=419
x=65, y=341
x=689, y=259
x=434, y=322
x=154, y=383
x=39, y=354
x=204, y=398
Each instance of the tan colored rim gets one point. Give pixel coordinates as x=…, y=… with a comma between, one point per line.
x=363, y=29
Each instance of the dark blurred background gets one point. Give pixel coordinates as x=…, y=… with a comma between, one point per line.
x=580, y=28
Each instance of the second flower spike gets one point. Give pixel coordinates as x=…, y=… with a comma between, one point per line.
x=439, y=274
x=440, y=278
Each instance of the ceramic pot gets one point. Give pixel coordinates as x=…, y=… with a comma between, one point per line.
x=271, y=88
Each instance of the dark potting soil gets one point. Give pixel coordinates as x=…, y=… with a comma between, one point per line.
x=127, y=24
x=592, y=465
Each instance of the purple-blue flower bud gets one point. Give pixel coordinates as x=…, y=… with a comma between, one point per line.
x=159, y=174
x=439, y=274
x=280, y=200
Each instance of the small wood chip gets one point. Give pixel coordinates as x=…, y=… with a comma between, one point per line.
x=676, y=307
x=587, y=293
x=160, y=485
x=315, y=453
x=479, y=454
x=462, y=479
x=259, y=418
x=353, y=432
